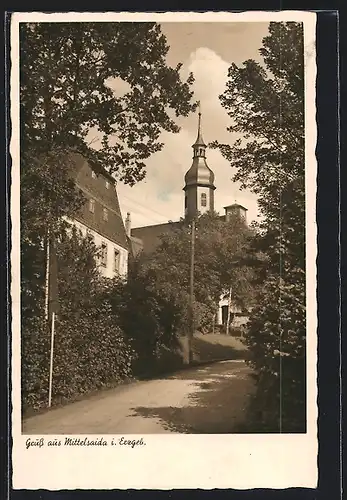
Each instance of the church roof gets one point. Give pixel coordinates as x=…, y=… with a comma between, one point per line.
x=199, y=173
x=150, y=235
x=235, y=205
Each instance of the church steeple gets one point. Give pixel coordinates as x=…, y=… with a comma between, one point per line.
x=199, y=143
x=199, y=180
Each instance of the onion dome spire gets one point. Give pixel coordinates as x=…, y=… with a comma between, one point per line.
x=199, y=140
x=199, y=173
x=199, y=180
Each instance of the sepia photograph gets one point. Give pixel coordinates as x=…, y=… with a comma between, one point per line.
x=162, y=249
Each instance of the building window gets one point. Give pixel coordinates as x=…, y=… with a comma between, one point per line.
x=92, y=206
x=105, y=213
x=103, y=255
x=107, y=185
x=116, y=261
x=93, y=174
x=203, y=200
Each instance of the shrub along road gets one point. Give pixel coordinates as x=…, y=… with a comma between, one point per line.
x=204, y=399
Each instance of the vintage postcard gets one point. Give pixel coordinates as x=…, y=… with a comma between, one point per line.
x=164, y=317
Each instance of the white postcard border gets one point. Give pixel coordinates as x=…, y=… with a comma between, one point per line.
x=173, y=461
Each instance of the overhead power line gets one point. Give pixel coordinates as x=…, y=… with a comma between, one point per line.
x=144, y=207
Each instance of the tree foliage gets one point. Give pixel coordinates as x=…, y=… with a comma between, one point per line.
x=149, y=314
x=90, y=349
x=221, y=261
x=80, y=81
x=265, y=103
x=47, y=195
x=111, y=78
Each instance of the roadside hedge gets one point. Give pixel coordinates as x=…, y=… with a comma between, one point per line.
x=89, y=354
x=90, y=350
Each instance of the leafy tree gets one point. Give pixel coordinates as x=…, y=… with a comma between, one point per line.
x=266, y=107
x=221, y=249
x=47, y=195
x=149, y=314
x=70, y=76
x=78, y=276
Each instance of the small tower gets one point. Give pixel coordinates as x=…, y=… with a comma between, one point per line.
x=235, y=209
x=199, y=181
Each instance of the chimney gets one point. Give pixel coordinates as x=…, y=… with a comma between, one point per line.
x=128, y=225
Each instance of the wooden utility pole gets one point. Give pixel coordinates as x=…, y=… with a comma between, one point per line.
x=228, y=319
x=191, y=294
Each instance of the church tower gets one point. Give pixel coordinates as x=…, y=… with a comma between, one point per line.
x=199, y=181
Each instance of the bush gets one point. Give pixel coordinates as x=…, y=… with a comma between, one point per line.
x=89, y=353
x=203, y=316
x=90, y=349
x=35, y=352
x=153, y=316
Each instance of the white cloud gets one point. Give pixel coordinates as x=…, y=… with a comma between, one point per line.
x=210, y=72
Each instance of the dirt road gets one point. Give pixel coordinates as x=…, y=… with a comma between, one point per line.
x=205, y=399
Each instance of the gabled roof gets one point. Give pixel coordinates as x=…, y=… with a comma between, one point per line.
x=112, y=228
x=79, y=160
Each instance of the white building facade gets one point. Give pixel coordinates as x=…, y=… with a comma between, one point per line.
x=100, y=217
x=113, y=259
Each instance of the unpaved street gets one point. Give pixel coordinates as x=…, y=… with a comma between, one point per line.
x=206, y=399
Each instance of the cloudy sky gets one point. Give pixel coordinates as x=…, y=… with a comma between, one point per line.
x=207, y=50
